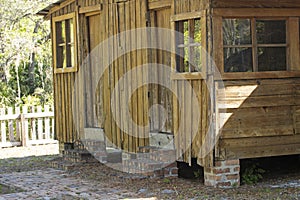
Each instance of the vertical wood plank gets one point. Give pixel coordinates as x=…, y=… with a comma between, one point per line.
x=218, y=41
x=127, y=58
x=18, y=125
x=182, y=120
x=10, y=125
x=25, y=127
x=113, y=69
x=122, y=71
x=40, y=124
x=145, y=52
x=140, y=97
x=33, y=125
x=52, y=126
x=106, y=57
x=117, y=68
x=47, y=123
x=134, y=75
x=294, y=56
x=196, y=144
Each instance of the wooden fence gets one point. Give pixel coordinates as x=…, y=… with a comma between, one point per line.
x=26, y=126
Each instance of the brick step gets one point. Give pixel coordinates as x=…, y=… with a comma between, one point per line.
x=62, y=165
x=78, y=156
x=114, y=155
x=156, y=154
x=86, y=151
x=78, y=145
x=147, y=149
x=94, y=145
x=150, y=168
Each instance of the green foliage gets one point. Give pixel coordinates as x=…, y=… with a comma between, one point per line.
x=252, y=174
x=166, y=180
x=25, y=52
x=197, y=174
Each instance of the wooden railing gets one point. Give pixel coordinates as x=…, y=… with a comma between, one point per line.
x=26, y=126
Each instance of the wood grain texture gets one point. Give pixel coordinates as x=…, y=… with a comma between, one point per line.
x=260, y=115
x=256, y=4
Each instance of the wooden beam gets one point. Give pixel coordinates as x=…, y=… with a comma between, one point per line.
x=90, y=9
x=258, y=75
x=256, y=12
x=294, y=47
x=62, y=5
x=155, y=5
x=187, y=16
x=188, y=76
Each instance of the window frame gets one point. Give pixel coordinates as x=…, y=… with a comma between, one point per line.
x=56, y=20
x=292, y=40
x=177, y=75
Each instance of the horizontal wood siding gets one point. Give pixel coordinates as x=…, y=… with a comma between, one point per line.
x=256, y=4
x=257, y=115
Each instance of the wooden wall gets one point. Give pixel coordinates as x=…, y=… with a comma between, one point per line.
x=115, y=17
x=160, y=121
x=262, y=116
x=63, y=89
x=185, y=6
x=189, y=145
x=259, y=118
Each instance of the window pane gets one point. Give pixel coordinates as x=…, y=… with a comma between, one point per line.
x=236, y=31
x=238, y=60
x=186, y=32
x=60, y=44
x=61, y=61
x=186, y=59
x=70, y=43
x=197, y=38
x=71, y=31
x=71, y=55
x=60, y=32
x=271, y=31
x=63, y=31
x=59, y=56
x=180, y=46
x=196, y=64
x=272, y=59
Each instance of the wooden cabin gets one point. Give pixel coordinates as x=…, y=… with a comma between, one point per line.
x=246, y=85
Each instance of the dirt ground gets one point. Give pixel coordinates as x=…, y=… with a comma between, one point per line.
x=279, y=182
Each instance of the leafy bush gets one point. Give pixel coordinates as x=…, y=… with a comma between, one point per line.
x=252, y=174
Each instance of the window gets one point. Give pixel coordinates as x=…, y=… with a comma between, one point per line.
x=188, y=45
x=64, y=43
x=255, y=45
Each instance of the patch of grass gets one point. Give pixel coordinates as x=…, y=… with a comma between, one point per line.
x=9, y=190
x=197, y=174
x=166, y=180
